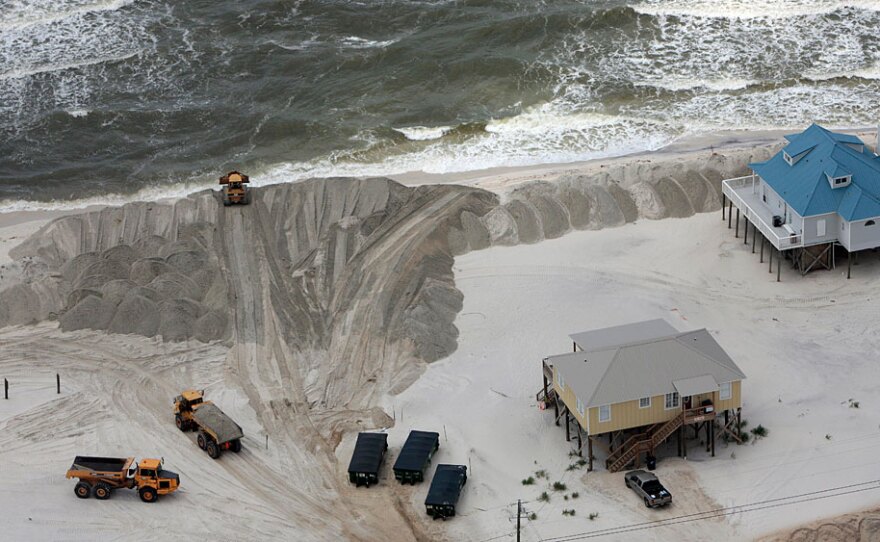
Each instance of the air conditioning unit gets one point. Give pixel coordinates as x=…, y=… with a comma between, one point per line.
x=777, y=221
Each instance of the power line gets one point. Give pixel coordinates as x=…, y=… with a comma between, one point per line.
x=719, y=512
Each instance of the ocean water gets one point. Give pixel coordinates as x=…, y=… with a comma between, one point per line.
x=109, y=100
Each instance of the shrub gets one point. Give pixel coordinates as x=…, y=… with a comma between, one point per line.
x=827, y=437
x=559, y=486
x=568, y=512
x=760, y=431
x=853, y=404
x=571, y=467
x=575, y=495
x=581, y=462
x=544, y=497
x=533, y=516
x=541, y=473
x=594, y=515
x=528, y=481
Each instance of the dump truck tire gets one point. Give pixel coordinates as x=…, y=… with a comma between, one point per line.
x=202, y=440
x=83, y=490
x=148, y=494
x=236, y=445
x=213, y=450
x=178, y=421
x=102, y=491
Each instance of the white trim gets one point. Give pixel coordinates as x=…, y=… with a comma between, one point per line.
x=721, y=396
x=676, y=402
x=608, y=419
x=643, y=398
x=560, y=380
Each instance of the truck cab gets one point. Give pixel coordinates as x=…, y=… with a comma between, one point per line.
x=151, y=475
x=185, y=404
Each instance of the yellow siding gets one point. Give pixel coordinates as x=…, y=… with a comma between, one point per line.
x=628, y=414
x=735, y=400
x=568, y=397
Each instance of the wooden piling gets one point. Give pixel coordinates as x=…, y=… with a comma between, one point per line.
x=729, y=214
x=567, y=427
x=754, y=237
x=58, y=383
x=723, y=205
x=762, y=249
x=5, y=389
x=590, y=452
x=736, y=234
x=779, y=266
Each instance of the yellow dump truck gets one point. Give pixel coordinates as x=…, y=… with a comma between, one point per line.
x=216, y=430
x=234, y=189
x=99, y=476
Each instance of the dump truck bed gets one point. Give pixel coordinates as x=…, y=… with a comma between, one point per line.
x=212, y=419
x=418, y=448
x=368, y=453
x=110, y=465
x=446, y=486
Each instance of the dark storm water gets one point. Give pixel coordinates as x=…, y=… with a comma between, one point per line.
x=110, y=99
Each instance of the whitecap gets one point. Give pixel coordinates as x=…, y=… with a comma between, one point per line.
x=748, y=9
x=423, y=133
x=355, y=42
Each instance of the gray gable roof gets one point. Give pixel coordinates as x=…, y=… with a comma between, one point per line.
x=646, y=368
x=601, y=339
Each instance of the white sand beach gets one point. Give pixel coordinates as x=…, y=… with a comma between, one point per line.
x=330, y=307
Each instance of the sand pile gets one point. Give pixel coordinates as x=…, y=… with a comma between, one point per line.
x=619, y=194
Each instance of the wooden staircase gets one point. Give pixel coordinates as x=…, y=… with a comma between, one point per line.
x=643, y=442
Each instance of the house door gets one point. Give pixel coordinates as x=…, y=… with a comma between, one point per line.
x=820, y=228
x=686, y=403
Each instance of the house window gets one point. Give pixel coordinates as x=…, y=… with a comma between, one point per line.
x=820, y=228
x=645, y=402
x=604, y=413
x=787, y=158
x=560, y=380
x=672, y=400
x=724, y=394
x=869, y=223
x=580, y=407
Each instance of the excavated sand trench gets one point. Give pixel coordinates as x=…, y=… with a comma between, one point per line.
x=328, y=294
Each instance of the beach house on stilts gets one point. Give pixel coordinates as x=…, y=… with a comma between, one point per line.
x=821, y=191
x=630, y=388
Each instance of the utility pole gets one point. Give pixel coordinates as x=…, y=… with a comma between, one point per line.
x=518, y=514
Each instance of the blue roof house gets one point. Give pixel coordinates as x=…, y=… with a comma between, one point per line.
x=821, y=189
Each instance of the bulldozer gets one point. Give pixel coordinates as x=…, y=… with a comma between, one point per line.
x=234, y=189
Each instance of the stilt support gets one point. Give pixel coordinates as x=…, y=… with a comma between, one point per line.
x=736, y=231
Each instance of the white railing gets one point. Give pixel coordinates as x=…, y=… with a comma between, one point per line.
x=729, y=188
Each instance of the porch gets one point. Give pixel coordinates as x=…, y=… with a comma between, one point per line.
x=742, y=192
